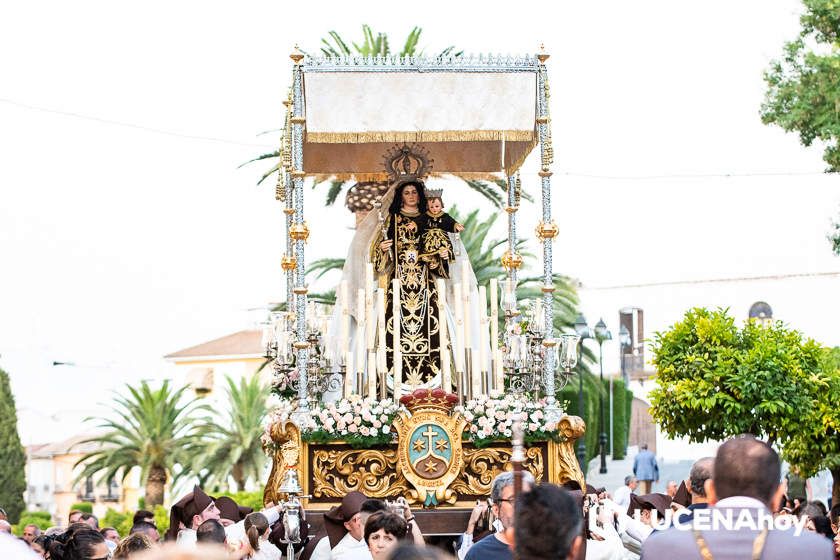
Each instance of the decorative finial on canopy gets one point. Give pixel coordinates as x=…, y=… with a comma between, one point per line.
x=296, y=55
x=542, y=56
x=406, y=163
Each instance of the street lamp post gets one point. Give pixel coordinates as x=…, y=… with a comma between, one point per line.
x=624, y=341
x=582, y=329
x=602, y=334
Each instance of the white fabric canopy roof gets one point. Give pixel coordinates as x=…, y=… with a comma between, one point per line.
x=471, y=122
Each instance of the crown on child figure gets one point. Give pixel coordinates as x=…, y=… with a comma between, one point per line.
x=434, y=193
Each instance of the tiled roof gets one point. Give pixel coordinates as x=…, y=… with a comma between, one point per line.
x=242, y=343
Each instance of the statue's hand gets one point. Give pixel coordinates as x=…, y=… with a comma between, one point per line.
x=459, y=228
x=385, y=245
x=444, y=253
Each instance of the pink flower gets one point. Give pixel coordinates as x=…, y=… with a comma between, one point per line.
x=377, y=424
x=352, y=428
x=364, y=430
x=533, y=426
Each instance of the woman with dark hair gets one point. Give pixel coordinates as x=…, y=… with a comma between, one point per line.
x=81, y=544
x=383, y=532
x=401, y=251
x=40, y=545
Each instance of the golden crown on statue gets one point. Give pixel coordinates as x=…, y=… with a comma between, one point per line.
x=406, y=163
x=429, y=399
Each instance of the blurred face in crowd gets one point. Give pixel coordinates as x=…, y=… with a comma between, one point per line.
x=356, y=527
x=39, y=550
x=633, y=484
x=75, y=517
x=153, y=535
x=112, y=535
x=100, y=551
x=837, y=544
x=504, y=509
x=210, y=512
x=381, y=543
x=29, y=533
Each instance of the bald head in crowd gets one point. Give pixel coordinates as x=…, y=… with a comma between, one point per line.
x=745, y=466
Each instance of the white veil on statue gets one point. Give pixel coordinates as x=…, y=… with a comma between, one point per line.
x=358, y=256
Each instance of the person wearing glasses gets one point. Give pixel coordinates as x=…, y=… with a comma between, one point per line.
x=496, y=545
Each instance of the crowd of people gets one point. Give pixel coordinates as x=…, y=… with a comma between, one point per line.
x=733, y=505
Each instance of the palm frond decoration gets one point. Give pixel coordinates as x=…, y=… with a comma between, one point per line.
x=322, y=266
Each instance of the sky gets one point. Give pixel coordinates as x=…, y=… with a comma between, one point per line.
x=128, y=231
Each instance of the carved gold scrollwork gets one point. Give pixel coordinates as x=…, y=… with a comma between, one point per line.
x=286, y=454
x=371, y=472
x=482, y=465
x=566, y=465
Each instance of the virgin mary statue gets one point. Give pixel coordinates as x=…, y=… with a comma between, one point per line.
x=404, y=245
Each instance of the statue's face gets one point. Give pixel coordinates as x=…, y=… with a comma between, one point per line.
x=435, y=205
x=410, y=196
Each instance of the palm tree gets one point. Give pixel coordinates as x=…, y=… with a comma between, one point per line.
x=231, y=445
x=151, y=429
x=360, y=196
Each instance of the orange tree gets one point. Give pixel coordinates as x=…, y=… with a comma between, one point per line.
x=716, y=380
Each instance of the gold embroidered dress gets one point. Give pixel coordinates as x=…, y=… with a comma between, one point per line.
x=418, y=265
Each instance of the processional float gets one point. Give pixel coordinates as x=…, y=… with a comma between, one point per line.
x=354, y=424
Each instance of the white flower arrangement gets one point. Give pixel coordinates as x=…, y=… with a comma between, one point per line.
x=356, y=420
x=365, y=422
x=491, y=418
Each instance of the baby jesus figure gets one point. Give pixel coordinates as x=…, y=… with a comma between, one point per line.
x=439, y=224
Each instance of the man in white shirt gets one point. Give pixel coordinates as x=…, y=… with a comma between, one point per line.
x=197, y=507
x=622, y=494
x=345, y=531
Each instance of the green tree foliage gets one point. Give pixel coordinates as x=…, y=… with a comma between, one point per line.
x=161, y=519
x=803, y=87
x=230, y=444
x=150, y=428
x=803, y=92
x=122, y=522
x=717, y=381
x=593, y=390
x=252, y=500
x=42, y=519
x=816, y=445
x=12, y=457
x=86, y=507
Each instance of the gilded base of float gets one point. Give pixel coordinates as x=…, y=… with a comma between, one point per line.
x=328, y=471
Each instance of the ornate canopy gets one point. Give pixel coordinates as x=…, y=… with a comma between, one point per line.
x=474, y=115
